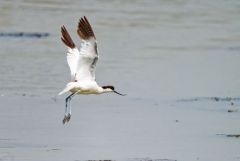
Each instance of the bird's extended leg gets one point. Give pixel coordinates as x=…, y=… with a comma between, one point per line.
x=69, y=108
x=67, y=116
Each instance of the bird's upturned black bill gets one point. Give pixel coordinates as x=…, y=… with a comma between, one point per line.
x=119, y=93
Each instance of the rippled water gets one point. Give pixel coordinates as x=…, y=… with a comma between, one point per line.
x=151, y=50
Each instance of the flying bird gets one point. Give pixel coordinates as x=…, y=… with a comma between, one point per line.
x=82, y=64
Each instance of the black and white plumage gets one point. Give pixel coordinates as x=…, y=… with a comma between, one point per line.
x=82, y=64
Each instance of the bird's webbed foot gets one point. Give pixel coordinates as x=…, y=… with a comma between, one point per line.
x=66, y=118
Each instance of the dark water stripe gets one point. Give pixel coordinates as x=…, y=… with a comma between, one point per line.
x=227, y=99
x=230, y=135
x=24, y=34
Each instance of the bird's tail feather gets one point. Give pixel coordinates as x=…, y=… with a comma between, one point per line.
x=66, y=89
x=63, y=91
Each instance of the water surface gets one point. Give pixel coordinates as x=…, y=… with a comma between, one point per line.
x=157, y=52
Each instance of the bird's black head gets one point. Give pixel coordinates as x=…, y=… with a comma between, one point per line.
x=112, y=89
x=108, y=87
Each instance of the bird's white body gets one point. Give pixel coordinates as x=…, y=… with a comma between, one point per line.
x=84, y=87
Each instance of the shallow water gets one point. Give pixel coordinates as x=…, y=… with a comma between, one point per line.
x=158, y=52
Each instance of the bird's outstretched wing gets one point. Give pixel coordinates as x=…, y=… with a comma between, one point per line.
x=82, y=63
x=88, y=53
x=72, y=54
